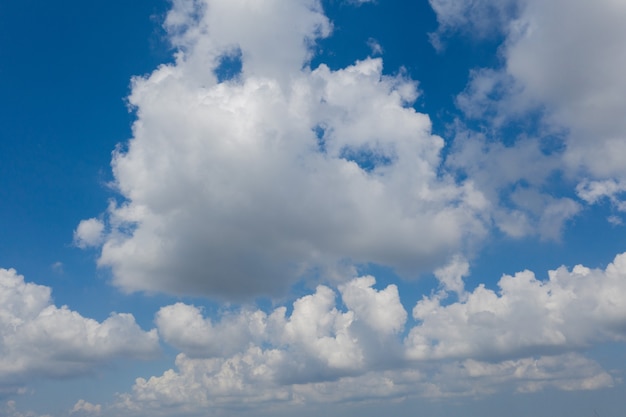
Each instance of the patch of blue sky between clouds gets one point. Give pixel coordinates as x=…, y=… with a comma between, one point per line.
x=229, y=66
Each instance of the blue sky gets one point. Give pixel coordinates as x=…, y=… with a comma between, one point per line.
x=218, y=207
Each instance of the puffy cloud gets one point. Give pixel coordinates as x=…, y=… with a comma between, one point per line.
x=572, y=309
x=251, y=358
x=83, y=407
x=89, y=233
x=568, y=55
x=275, y=37
x=316, y=341
x=524, y=338
x=184, y=327
x=559, y=86
x=594, y=191
x=561, y=68
x=451, y=275
x=380, y=310
x=240, y=187
x=514, y=179
x=42, y=340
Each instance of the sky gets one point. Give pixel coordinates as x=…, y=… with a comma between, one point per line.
x=338, y=207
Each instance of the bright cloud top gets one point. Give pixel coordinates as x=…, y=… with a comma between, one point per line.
x=42, y=340
x=237, y=188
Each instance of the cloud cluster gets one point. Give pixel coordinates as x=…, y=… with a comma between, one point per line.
x=250, y=358
x=88, y=233
x=42, y=340
x=317, y=341
x=560, y=83
x=237, y=188
x=523, y=337
x=572, y=309
x=568, y=56
x=240, y=182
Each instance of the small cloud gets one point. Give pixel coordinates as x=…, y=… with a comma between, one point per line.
x=615, y=220
x=86, y=408
x=89, y=233
x=57, y=267
x=375, y=46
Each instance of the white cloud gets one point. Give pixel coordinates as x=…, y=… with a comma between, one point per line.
x=560, y=81
x=375, y=46
x=10, y=410
x=525, y=338
x=89, y=233
x=594, y=191
x=451, y=276
x=569, y=55
x=316, y=341
x=513, y=178
x=573, y=309
x=380, y=310
x=251, y=357
x=83, y=407
x=239, y=188
x=184, y=327
x=481, y=18
x=562, y=63
x=569, y=372
x=275, y=37
x=42, y=340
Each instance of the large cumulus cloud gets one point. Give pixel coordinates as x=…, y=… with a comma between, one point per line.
x=237, y=188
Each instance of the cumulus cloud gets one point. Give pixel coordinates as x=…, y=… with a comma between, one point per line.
x=561, y=68
x=572, y=309
x=525, y=337
x=595, y=191
x=252, y=358
x=184, y=327
x=88, y=233
x=42, y=340
x=560, y=87
x=238, y=188
x=316, y=341
x=83, y=407
x=569, y=55
x=239, y=383
x=451, y=276
x=514, y=179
